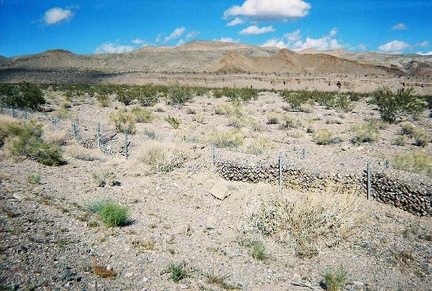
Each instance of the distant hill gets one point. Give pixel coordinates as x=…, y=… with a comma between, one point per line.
x=206, y=57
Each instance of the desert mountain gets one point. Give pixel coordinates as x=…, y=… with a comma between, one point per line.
x=203, y=62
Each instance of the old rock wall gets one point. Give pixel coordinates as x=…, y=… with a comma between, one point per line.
x=412, y=196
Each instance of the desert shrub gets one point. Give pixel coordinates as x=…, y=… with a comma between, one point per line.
x=22, y=95
x=25, y=139
x=392, y=106
x=173, y=121
x=237, y=94
x=334, y=281
x=400, y=140
x=56, y=137
x=289, y=122
x=127, y=95
x=259, y=146
x=226, y=139
x=164, y=159
x=258, y=251
x=123, y=121
x=325, y=137
x=273, y=118
x=33, y=178
x=421, y=137
x=148, y=95
x=367, y=132
x=234, y=109
x=200, y=118
x=342, y=102
x=103, y=99
x=237, y=122
x=407, y=128
x=179, y=95
x=295, y=98
x=142, y=115
x=178, y=272
x=111, y=214
x=319, y=219
x=414, y=161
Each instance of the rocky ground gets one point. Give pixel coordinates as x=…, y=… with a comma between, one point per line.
x=51, y=240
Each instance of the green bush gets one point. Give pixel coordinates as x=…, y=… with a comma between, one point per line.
x=392, y=106
x=25, y=139
x=111, y=214
x=178, y=272
x=334, y=281
x=258, y=251
x=179, y=95
x=22, y=95
x=148, y=95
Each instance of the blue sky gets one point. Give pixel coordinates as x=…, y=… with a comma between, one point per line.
x=108, y=26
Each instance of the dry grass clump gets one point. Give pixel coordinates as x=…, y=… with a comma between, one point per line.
x=308, y=223
x=259, y=146
x=163, y=159
x=81, y=153
x=325, y=137
x=273, y=118
x=234, y=109
x=57, y=137
x=368, y=132
x=414, y=161
x=123, y=121
x=226, y=139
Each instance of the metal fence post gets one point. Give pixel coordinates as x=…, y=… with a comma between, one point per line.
x=212, y=157
x=369, y=182
x=280, y=171
x=98, y=135
x=126, y=146
x=303, y=154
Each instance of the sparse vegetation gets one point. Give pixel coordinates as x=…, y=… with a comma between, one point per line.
x=111, y=214
x=33, y=178
x=366, y=132
x=334, y=281
x=226, y=139
x=414, y=161
x=25, y=139
x=164, y=159
x=173, y=121
x=325, y=137
x=258, y=251
x=124, y=121
x=178, y=272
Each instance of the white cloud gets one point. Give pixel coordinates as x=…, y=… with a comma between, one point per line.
x=178, y=32
x=399, y=26
x=137, y=41
x=425, y=54
x=423, y=43
x=294, y=41
x=257, y=30
x=229, y=39
x=395, y=46
x=192, y=34
x=276, y=10
x=57, y=15
x=235, y=21
x=113, y=48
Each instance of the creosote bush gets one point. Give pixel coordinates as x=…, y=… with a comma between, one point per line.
x=394, y=105
x=22, y=95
